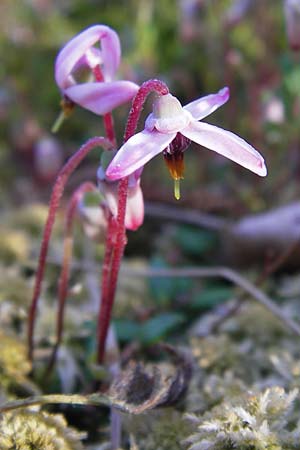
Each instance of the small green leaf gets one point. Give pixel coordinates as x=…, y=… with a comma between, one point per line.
x=127, y=330
x=158, y=327
x=211, y=297
x=150, y=331
x=161, y=289
x=194, y=242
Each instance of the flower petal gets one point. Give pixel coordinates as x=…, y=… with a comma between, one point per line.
x=76, y=48
x=102, y=98
x=206, y=105
x=91, y=58
x=227, y=144
x=134, y=215
x=136, y=152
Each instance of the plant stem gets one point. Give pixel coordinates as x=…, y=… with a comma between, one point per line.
x=72, y=399
x=65, y=270
x=56, y=195
x=116, y=256
x=138, y=102
x=120, y=239
x=106, y=280
x=107, y=118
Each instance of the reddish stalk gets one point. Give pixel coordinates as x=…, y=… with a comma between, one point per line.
x=120, y=239
x=116, y=254
x=138, y=102
x=65, y=270
x=107, y=118
x=56, y=195
x=106, y=272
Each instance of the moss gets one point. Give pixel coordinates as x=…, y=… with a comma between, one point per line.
x=253, y=422
x=28, y=430
x=14, y=368
x=159, y=430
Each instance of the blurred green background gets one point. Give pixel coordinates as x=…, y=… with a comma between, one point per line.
x=197, y=47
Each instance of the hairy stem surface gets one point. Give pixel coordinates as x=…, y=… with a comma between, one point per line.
x=56, y=195
x=120, y=239
x=65, y=270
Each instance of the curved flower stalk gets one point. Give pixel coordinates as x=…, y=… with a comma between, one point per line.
x=114, y=251
x=95, y=221
x=170, y=128
x=80, y=52
x=57, y=192
x=63, y=282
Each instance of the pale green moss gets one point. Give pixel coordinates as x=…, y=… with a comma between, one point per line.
x=14, y=368
x=158, y=430
x=253, y=422
x=28, y=430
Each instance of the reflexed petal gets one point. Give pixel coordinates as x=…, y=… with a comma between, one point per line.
x=206, y=105
x=102, y=98
x=227, y=144
x=76, y=48
x=134, y=215
x=91, y=58
x=111, y=53
x=136, y=152
x=134, y=178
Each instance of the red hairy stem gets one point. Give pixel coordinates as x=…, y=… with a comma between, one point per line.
x=120, y=239
x=105, y=285
x=65, y=270
x=138, y=102
x=56, y=195
x=108, y=293
x=107, y=118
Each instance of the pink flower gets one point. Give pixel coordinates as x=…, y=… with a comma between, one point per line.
x=292, y=18
x=98, y=97
x=134, y=215
x=171, y=127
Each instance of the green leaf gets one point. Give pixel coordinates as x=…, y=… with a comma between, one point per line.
x=211, y=297
x=127, y=330
x=158, y=327
x=161, y=288
x=195, y=242
x=151, y=331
